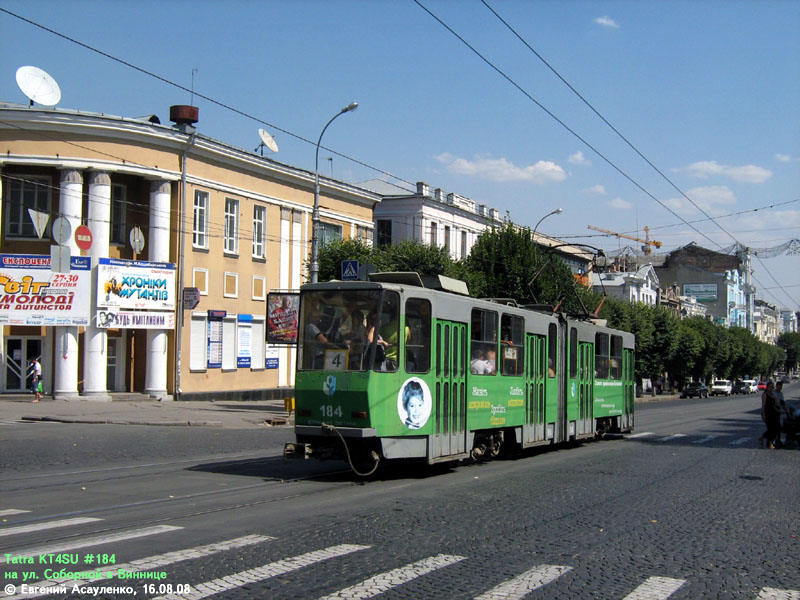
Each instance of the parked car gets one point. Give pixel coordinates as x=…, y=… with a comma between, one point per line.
x=695, y=388
x=762, y=385
x=740, y=387
x=751, y=385
x=721, y=387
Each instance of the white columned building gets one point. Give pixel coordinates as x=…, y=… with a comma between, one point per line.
x=156, y=374
x=65, y=384
x=95, y=348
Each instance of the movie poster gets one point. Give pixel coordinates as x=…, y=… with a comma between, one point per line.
x=282, y=317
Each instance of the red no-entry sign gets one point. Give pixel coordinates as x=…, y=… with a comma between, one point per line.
x=83, y=237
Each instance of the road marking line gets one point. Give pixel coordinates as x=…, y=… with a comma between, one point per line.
x=776, y=594
x=740, y=441
x=46, y=525
x=386, y=581
x=93, y=541
x=706, y=439
x=12, y=511
x=638, y=435
x=522, y=585
x=153, y=562
x=656, y=588
x=674, y=436
x=242, y=578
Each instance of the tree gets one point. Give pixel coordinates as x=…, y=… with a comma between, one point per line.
x=790, y=342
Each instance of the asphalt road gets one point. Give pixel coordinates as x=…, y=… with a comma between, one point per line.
x=687, y=507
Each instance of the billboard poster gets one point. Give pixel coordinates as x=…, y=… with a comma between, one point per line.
x=702, y=292
x=128, y=319
x=282, y=314
x=135, y=284
x=32, y=294
x=245, y=335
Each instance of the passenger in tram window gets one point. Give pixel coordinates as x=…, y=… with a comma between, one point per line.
x=551, y=372
x=315, y=340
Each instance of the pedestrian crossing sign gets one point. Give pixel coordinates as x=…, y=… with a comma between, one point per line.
x=349, y=270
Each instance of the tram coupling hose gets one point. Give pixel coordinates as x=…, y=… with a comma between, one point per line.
x=332, y=429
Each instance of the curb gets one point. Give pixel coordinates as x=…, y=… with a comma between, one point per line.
x=125, y=422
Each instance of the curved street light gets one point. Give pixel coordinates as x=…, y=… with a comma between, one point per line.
x=314, y=269
x=557, y=211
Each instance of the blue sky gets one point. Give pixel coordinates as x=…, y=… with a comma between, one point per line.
x=707, y=91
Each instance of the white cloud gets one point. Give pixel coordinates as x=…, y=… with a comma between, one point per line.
x=597, y=190
x=783, y=157
x=578, y=159
x=606, y=22
x=621, y=204
x=503, y=170
x=706, y=197
x=743, y=174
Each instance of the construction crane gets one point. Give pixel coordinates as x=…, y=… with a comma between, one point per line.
x=647, y=241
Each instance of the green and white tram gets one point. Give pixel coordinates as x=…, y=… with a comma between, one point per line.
x=403, y=367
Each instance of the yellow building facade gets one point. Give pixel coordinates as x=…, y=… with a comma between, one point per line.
x=165, y=207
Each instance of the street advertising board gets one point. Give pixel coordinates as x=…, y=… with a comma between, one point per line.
x=135, y=284
x=244, y=342
x=32, y=294
x=135, y=319
x=283, y=309
x=702, y=292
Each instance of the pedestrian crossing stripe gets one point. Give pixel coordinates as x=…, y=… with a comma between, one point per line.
x=281, y=567
x=656, y=588
x=386, y=581
x=522, y=585
x=46, y=525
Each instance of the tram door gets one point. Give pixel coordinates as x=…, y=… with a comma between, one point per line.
x=450, y=395
x=535, y=390
x=586, y=389
x=628, y=388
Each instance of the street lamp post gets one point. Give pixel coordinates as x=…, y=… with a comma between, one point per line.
x=315, y=215
x=552, y=212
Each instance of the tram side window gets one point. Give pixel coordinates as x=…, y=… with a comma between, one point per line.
x=483, y=347
x=552, y=349
x=615, y=362
x=511, y=345
x=418, y=324
x=601, y=355
x=573, y=352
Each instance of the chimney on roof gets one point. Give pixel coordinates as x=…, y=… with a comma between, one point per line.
x=184, y=117
x=423, y=189
x=438, y=194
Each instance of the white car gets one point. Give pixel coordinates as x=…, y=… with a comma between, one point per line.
x=721, y=387
x=750, y=386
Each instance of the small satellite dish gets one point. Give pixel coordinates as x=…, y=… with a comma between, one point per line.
x=267, y=140
x=38, y=86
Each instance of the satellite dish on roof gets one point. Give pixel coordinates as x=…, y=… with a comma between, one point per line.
x=38, y=86
x=266, y=140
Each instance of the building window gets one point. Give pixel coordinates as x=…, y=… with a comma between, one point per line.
x=231, y=243
x=200, y=280
x=463, y=244
x=447, y=238
x=231, y=285
x=229, y=345
x=384, y=232
x=329, y=232
x=434, y=239
x=198, y=352
x=30, y=193
x=118, y=214
x=200, y=220
x=259, y=231
x=259, y=287
x=258, y=349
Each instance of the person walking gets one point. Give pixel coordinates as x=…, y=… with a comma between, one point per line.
x=36, y=371
x=770, y=413
x=780, y=402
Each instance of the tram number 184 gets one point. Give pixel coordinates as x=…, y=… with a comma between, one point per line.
x=329, y=410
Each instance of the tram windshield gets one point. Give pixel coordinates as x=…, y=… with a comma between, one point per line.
x=349, y=330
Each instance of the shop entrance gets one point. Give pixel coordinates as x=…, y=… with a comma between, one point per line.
x=19, y=351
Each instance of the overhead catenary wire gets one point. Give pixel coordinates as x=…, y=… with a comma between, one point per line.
x=589, y=145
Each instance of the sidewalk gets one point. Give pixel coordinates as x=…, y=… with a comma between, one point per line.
x=139, y=410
